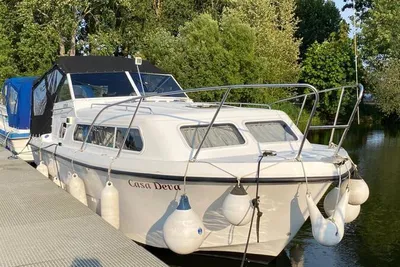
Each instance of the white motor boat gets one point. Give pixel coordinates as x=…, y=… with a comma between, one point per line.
x=109, y=119
x=15, y=116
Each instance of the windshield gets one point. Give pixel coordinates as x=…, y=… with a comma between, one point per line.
x=88, y=85
x=156, y=83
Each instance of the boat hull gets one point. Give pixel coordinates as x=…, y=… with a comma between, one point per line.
x=146, y=203
x=18, y=146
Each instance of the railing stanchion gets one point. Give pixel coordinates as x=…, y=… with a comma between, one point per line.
x=307, y=129
x=336, y=116
x=211, y=124
x=360, y=96
x=301, y=110
x=101, y=111
x=129, y=128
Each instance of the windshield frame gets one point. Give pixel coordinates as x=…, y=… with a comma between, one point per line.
x=129, y=80
x=138, y=89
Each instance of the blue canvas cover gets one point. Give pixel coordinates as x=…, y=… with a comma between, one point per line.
x=18, y=93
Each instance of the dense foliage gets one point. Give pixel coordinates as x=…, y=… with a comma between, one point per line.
x=380, y=45
x=202, y=43
x=318, y=19
x=330, y=64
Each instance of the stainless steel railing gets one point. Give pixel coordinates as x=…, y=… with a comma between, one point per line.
x=346, y=127
x=228, y=89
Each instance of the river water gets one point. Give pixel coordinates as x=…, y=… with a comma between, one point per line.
x=373, y=239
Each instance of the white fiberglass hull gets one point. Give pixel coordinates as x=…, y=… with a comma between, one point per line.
x=18, y=146
x=145, y=204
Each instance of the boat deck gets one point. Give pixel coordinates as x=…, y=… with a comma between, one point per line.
x=42, y=225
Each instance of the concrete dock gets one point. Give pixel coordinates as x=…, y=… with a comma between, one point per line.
x=42, y=225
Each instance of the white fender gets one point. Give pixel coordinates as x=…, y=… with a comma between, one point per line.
x=352, y=212
x=183, y=229
x=42, y=168
x=52, y=166
x=110, y=204
x=330, y=201
x=328, y=232
x=57, y=181
x=359, y=191
x=237, y=207
x=76, y=188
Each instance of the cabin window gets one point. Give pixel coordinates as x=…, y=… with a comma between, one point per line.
x=219, y=135
x=133, y=141
x=63, y=129
x=99, y=135
x=12, y=100
x=88, y=85
x=39, y=98
x=271, y=131
x=53, y=80
x=64, y=93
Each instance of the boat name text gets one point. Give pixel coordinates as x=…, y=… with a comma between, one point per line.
x=154, y=185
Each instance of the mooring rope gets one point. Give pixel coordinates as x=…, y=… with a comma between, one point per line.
x=305, y=176
x=255, y=202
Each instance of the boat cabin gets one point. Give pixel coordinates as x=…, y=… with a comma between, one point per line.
x=77, y=82
x=16, y=97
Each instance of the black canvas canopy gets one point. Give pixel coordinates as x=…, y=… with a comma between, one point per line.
x=46, y=90
x=96, y=64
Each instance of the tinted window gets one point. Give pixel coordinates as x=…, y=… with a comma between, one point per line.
x=63, y=129
x=53, y=80
x=271, y=131
x=12, y=100
x=39, y=98
x=155, y=83
x=88, y=85
x=100, y=135
x=64, y=93
x=133, y=141
x=219, y=135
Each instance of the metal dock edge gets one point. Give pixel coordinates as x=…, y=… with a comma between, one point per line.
x=42, y=225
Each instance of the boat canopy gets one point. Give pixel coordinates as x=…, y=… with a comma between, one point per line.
x=93, y=77
x=17, y=96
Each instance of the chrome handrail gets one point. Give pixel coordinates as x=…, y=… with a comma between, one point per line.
x=101, y=111
x=350, y=121
x=346, y=127
x=217, y=88
x=126, y=106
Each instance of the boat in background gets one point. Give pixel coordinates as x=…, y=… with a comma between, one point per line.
x=15, y=116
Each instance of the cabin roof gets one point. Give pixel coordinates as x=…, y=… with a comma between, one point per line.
x=99, y=64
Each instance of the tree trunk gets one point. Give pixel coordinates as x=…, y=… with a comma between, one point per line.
x=61, y=47
x=157, y=7
x=73, y=46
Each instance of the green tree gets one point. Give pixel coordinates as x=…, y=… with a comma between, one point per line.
x=380, y=36
x=276, y=46
x=7, y=64
x=386, y=82
x=380, y=43
x=362, y=7
x=242, y=47
x=330, y=64
x=206, y=53
x=317, y=20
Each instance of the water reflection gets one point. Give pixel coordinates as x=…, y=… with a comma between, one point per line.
x=373, y=239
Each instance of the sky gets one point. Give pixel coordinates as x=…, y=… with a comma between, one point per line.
x=346, y=14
